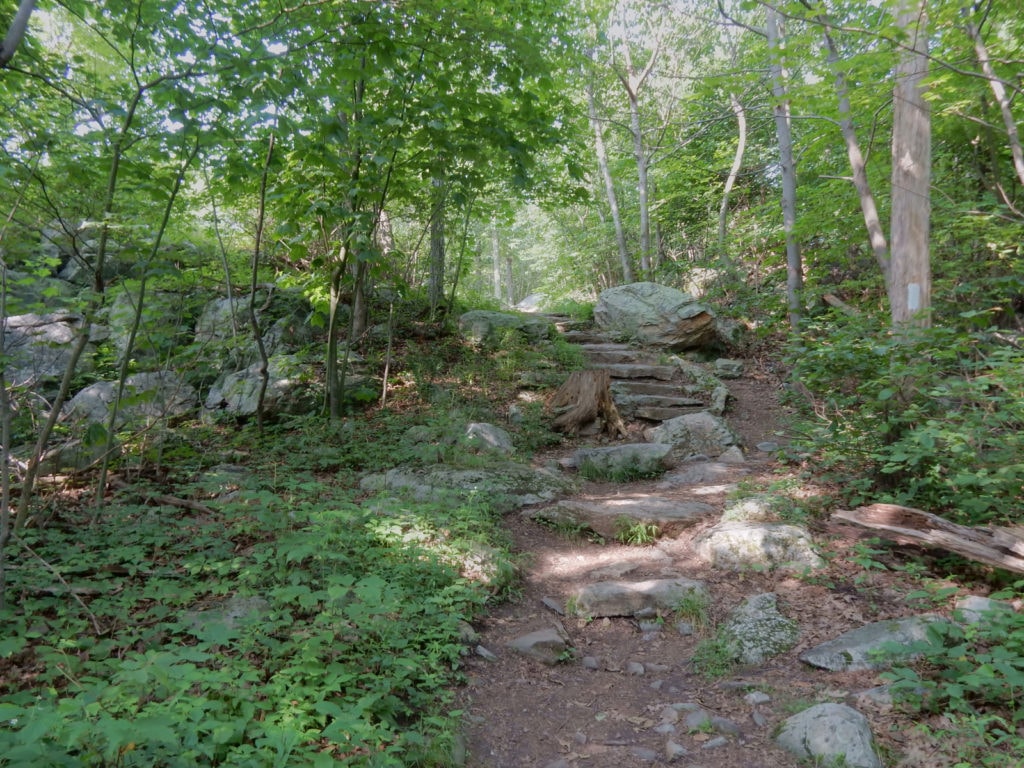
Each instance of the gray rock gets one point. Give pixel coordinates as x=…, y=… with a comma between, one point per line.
x=866, y=647
x=289, y=390
x=547, y=646
x=728, y=369
x=674, y=751
x=694, y=434
x=655, y=314
x=757, y=697
x=700, y=473
x=146, y=398
x=226, y=616
x=508, y=485
x=739, y=545
x=757, y=631
x=162, y=324
x=39, y=347
x=644, y=754
x=830, y=732
x=974, y=609
x=608, y=517
x=622, y=598
x=715, y=743
x=631, y=459
x=754, y=509
x=485, y=328
x=488, y=438
x=485, y=654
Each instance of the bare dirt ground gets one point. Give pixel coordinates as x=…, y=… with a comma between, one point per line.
x=523, y=714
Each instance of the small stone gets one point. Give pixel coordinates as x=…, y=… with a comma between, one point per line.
x=674, y=751
x=642, y=753
x=768, y=446
x=757, y=697
x=591, y=662
x=657, y=685
x=665, y=728
x=635, y=668
x=684, y=628
x=483, y=653
x=718, y=741
x=553, y=605
x=725, y=725
x=650, y=626
x=669, y=715
x=759, y=720
x=697, y=720
x=580, y=738
x=657, y=669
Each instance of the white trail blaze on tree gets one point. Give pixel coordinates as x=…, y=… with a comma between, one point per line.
x=910, y=265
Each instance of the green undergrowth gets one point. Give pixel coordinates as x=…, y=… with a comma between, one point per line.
x=117, y=650
x=931, y=418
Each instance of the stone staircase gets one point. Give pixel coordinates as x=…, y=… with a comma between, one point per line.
x=644, y=387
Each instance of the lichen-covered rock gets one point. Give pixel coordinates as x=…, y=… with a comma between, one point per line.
x=833, y=733
x=871, y=646
x=739, y=545
x=656, y=315
x=695, y=434
x=485, y=328
x=757, y=631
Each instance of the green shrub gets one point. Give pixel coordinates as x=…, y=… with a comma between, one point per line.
x=933, y=420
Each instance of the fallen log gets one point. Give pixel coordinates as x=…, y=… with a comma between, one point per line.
x=585, y=396
x=995, y=546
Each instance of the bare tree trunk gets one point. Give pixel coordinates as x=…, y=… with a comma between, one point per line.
x=910, y=287
x=496, y=258
x=16, y=32
x=435, y=285
x=254, y=322
x=783, y=130
x=1002, y=99
x=640, y=155
x=609, y=186
x=737, y=163
x=858, y=165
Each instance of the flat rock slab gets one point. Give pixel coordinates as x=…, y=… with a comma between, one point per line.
x=738, y=545
x=628, y=460
x=757, y=630
x=636, y=371
x=548, y=646
x=873, y=646
x=835, y=734
x=701, y=473
x=628, y=598
x=508, y=485
x=608, y=517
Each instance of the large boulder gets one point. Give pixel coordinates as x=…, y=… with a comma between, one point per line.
x=290, y=389
x=694, y=434
x=655, y=315
x=162, y=325
x=147, y=397
x=486, y=328
x=39, y=347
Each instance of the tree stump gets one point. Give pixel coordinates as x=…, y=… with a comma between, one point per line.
x=585, y=396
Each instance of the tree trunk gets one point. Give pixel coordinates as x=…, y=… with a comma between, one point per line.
x=1002, y=99
x=784, y=133
x=910, y=287
x=609, y=186
x=737, y=163
x=496, y=259
x=858, y=165
x=585, y=396
x=640, y=155
x=435, y=286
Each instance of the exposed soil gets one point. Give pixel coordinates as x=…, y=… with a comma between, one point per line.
x=522, y=714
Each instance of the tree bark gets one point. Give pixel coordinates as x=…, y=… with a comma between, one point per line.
x=609, y=186
x=783, y=130
x=910, y=286
x=1002, y=99
x=858, y=165
x=16, y=32
x=737, y=163
x=435, y=285
x=496, y=259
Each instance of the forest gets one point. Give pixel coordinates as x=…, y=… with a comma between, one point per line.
x=313, y=192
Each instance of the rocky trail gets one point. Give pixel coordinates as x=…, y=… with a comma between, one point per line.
x=594, y=663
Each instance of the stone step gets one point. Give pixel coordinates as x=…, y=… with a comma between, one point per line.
x=599, y=357
x=656, y=388
x=656, y=413
x=585, y=337
x=636, y=371
x=629, y=400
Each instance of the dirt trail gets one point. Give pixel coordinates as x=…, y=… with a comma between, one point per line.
x=616, y=711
